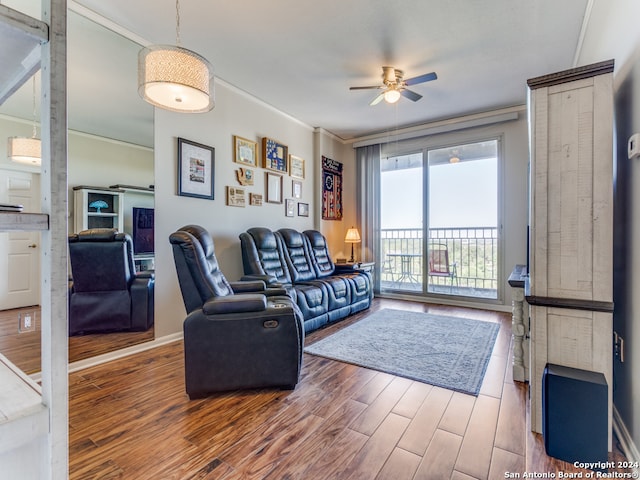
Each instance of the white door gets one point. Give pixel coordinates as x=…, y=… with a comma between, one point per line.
x=20, y=251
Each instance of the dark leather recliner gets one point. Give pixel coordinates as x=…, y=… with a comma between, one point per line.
x=301, y=260
x=105, y=292
x=236, y=334
x=263, y=255
x=301, y=266
x=359, y=281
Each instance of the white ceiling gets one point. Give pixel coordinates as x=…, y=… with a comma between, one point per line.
x=301, y=57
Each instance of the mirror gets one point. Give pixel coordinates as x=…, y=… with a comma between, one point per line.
x=110, y=144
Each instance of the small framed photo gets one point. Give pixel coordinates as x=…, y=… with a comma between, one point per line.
x=245, y=151
x=255, y=199
x=289, y=207
x=244, y=176
x=274, y=188
x=296, y=188
x=296, y=166
x=196, y=164
x=303, y=209
x=235, y=197
x=274, y=155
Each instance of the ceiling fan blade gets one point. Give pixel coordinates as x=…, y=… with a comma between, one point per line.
x=367, y=88
x=377, y=100
x=427, y=77
x=413, y=96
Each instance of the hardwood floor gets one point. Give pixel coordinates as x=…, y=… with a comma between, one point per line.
x=132, y=419
x=23, y=349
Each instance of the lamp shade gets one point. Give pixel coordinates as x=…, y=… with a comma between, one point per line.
x=352, y=236
x=175, y=79
x=25, y=150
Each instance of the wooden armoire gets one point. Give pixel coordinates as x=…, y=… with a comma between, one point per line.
x=570, y=284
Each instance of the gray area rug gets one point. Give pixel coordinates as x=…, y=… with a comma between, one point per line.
x=449, y=352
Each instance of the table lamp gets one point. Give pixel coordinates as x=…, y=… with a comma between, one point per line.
x=352, y=237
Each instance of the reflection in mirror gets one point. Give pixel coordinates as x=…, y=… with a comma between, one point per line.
x=110, y=146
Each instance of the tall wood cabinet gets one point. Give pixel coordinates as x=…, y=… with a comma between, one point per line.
x=570, y=286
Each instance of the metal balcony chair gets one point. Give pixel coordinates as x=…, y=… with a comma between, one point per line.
x=439, y=265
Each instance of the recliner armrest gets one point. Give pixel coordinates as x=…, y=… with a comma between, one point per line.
x=146, y=274
x=268, y=279
x=235, y=304
x=248, y=286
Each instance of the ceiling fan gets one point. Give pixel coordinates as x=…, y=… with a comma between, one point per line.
x=395, y=85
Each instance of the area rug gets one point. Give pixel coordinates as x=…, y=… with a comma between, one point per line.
x=449, y=352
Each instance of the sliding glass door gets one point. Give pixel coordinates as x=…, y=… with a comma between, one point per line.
x=439, y=221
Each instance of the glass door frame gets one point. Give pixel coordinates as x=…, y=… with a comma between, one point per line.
x=393, y=151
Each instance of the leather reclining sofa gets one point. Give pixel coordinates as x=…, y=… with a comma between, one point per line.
x=300, y=262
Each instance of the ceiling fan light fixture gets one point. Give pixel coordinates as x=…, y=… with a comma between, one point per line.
x=176, y=79
x=392, y=95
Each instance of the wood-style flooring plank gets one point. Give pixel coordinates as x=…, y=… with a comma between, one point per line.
x=371, y=418
x=504, y=462
x=401, y=465
x=327, y=464
x=418, y=435
x=412, y=400
x=323, y=440
x=456, y=416
x=474, y=457
x=510, y=432
x=440, y=457
x=374, y=453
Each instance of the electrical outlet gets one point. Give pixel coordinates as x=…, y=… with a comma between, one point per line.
x=26, y=322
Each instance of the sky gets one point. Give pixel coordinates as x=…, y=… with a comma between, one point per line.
x=463, y=194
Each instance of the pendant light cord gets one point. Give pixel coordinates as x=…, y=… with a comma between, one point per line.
x=178, y=22
x=34, y=107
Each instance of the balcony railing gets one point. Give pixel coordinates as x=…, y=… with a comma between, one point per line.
x=472, y=260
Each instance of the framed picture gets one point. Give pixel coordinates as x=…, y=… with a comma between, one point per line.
x=255, y=199
x=195, y=169
x=274, y=155
x=274, y=188
x=245, y=151
x=289, y=207
x=235, y=197
x=244, y=176
x=303, y=209
x=296, y=166
x=296, y=188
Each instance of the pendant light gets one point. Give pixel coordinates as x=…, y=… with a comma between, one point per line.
x=174, y=78
x=24, y=149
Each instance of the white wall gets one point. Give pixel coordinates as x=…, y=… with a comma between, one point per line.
x=613, y=33
x=234, y=114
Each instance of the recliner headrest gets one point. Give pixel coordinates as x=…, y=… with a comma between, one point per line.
x=316, y=238
x=98, y=235
x=202, y=236
x=264, y=238
x=292, y=238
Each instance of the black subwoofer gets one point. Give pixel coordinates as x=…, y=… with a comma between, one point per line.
x=575, y=414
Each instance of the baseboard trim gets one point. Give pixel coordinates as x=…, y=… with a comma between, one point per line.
x=627, y=444
x=125, y=352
